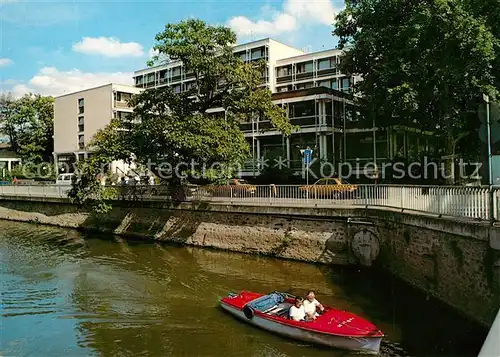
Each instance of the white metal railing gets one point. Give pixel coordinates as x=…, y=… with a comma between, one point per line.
x=52, y=191
x=470, y=202
x=456, y=201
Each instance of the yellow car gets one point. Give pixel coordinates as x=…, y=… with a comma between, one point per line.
x=235, y=188
x=329, y=188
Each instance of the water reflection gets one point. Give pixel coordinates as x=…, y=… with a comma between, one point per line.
x=66, y=294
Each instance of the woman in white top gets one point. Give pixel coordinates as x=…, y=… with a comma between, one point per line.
x=311, y=306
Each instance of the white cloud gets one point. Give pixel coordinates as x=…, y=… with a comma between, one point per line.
x=51, y=81
x=294, y=14
x=245, y=27
x=109, y=47
x=4, y=62
x=321, y=11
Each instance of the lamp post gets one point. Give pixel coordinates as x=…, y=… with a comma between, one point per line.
x=253, y=145
x=486, y=98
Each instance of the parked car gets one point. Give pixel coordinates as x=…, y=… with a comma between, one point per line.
x=64, y=179
x=329, y=188
x=234, y=188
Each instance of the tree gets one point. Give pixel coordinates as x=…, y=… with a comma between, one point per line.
x=172, y=131
x=28, y=122
x=424, y=63
x=8, y=127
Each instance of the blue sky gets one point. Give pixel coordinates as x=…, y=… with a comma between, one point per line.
x=55, y=47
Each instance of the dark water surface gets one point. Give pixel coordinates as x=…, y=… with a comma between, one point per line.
x=66, y=294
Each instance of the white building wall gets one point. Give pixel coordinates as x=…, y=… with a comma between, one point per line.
x=98, y=111
x=279, y=51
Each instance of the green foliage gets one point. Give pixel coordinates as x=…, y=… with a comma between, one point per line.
x=87, y=188
x=423, y=63
x=39, y=172
x=28, y=122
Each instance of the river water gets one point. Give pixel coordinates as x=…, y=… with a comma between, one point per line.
x=64, y=293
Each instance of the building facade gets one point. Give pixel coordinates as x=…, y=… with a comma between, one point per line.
x=79, y=115
x=318, y=98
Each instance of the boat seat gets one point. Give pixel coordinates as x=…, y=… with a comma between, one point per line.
x=277, y=310
x=271, y=309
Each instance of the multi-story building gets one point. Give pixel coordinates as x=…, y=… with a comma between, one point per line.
x=174, y=74
x=79, y=115
x=317, y=97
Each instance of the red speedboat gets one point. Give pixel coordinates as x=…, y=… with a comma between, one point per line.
x=333, y=328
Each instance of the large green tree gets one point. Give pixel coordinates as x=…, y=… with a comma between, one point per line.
x=28, y=122
x=424, y=63
x=176, y=130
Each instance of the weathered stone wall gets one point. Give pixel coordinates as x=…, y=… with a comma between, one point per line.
x=455, y=261
x=455, y=267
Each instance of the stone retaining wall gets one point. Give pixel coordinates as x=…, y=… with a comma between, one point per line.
x=455, y=261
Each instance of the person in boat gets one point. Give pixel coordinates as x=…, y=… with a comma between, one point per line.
x=312, y=306
x=297, y=312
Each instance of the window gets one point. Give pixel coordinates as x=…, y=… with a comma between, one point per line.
x=258, y=53
x=242, y=55
x=346, y=84
x=80, y=124
x=177, y=88
x=324, y=63
x=335, y=84
x=123, y=115
x=304, y=85
x=81, y=142
x=81, y=108
x=123, y=97
x=176, y=71
x=324, y=84
x=284, y=71
x=304, y=67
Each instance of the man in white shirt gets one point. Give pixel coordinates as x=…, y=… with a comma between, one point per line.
x=297, y=312
x=311, y=306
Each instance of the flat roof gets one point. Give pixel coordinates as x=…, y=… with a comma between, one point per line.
x=312, y=54
x=96, y=87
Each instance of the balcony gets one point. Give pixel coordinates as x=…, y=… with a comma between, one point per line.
x=283, y=79
x=121, y=104
x=326, y=72
x=305, y=122
x=304, y=75
x=176, y=78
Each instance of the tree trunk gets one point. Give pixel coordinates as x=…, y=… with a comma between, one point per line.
x=449, y=173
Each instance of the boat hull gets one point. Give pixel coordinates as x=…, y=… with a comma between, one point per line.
x=369, y=345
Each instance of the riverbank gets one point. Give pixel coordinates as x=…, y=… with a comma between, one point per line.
x=453, y=261
x=96, y=295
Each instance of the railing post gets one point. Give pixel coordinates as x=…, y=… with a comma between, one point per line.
x=402, y=198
